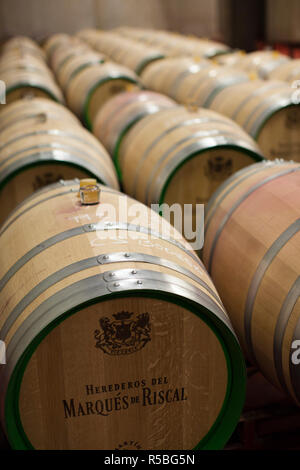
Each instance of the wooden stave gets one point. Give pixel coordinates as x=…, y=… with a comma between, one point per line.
x=129, y=263
x=269, y=351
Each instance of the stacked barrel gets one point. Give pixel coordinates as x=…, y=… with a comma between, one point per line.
x=175, y=154
x=180, y=155
x=268, y=64
x=123, y=50
x=174, y=44
x=105, y=316
x=269, y=111
x=115, y=119
x=235, y=86
x=43, y=142
x=87, y=80
x=108, y=314
x=24, y=71
x=163, y=152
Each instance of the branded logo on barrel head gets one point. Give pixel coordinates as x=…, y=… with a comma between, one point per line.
x=218, y=167
x=45, y=179
x=125, y=334
x=129, y=445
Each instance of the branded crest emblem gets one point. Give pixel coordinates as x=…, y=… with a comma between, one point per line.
x=219, y=167
x=129, y=445
x=125, y=334
x=45, y=179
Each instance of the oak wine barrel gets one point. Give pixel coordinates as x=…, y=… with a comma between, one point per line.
x=25, y=74
x=181, y=156
x=94, y=85
x=269, y=111
x=38, y=151
x=202, y=87
x=254, y=218
x=22, y=83
x=115, y=334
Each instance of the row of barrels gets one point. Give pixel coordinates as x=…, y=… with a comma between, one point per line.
x=166, y=153
x=104, y=317
x=252, y=217
x=174, y=44
x=267, y=64
x=87, y=79
x=165, y=346
x=156, y=157
x=268, y=111
x=115, y=334
x=125, y=51
x=144, y=149
x=24, y=71
x=42, y=142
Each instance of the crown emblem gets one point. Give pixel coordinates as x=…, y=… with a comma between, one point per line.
x=218, y=168
x=122, y=315
x=125, y=334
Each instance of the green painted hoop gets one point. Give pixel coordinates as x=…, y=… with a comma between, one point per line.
x=142, y=65
x=79, y=69
x=254, y=155
x=85, y=113
x=118, y=144
x=39, y=87
x=47, y=162
x=255, y=135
